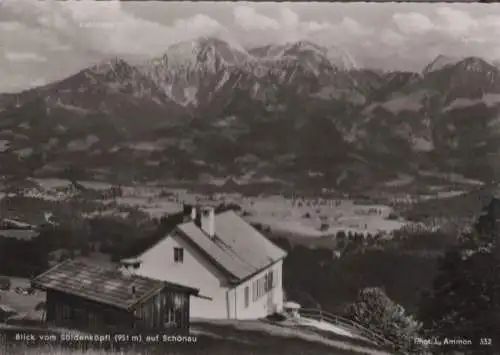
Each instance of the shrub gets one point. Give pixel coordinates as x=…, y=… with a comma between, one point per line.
x=376, y=311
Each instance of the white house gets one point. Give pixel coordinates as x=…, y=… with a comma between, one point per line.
x=237, y=270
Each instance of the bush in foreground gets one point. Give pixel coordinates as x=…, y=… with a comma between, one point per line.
x=376, y=311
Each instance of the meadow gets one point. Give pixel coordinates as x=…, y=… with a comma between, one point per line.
x=225, y=337
x=306, y=217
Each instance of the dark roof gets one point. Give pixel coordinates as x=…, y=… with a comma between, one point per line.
x=237, y=247
x=102, y=283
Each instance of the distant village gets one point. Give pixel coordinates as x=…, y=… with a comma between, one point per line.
x=217, y=248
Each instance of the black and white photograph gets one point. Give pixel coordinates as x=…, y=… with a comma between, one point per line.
x=249, y=178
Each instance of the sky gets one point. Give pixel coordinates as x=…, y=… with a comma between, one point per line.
x=43, y=41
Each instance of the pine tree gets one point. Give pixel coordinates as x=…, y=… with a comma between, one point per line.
x=465, y=299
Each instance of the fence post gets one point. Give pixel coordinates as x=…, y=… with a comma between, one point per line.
x=320, y=315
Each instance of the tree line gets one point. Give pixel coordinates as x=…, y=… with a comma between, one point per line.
x=444, y=288
x=419, y=286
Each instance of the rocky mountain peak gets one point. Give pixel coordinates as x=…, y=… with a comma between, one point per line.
x=440, y=62
x=475, y=64
x=211, y=99
x=202, y=53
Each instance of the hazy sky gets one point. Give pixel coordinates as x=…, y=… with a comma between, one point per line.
x=41, y=41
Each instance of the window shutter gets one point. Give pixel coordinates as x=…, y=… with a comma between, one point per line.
x=247, y=296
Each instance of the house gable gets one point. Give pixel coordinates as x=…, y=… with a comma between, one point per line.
x=225, y=263
x=194, y=270
x=235, y=253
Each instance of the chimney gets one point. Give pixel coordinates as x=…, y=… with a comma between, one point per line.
x=196, y=215
x=126, y=272
x=189, y=213
x=129, y=267
x=208, y=221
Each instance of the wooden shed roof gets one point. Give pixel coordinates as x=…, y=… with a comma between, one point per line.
x=102, y=284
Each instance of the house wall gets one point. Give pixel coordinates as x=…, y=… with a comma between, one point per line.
x=264, y=305
x=195, y=271
x=218, y=300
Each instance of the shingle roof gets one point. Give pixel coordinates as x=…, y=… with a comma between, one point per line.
x=100, y=283
x=221, y=256
x=237, y=247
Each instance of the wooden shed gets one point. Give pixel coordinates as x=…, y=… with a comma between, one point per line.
x=85, y=295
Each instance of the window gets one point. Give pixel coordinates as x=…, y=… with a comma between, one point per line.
x=263, y=285
x=247, y=296
x=269, y=281
x=178, y=255
x=93, y=320
x=66, y=312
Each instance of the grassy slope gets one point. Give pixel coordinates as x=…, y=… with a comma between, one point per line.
x=467, y=205
x=243, y=338
x=21, y=303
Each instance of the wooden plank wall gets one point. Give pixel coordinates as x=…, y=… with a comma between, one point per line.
x=63, y=309
x=167, y=309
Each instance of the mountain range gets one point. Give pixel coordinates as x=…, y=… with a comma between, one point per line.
x=294, y=112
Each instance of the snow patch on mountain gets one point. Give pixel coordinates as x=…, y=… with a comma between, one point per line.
x=440, y=62
x=399, y=102
x=190, y=95
x=4, y=145
x=69, y=107
x=307, y=53
x=187, y=66
x=24, y=152
x=82, y=144
x=474, y=64
x=412, y=102
x=490, y=100
x=334, y=93
x=146, y=146
x=209, y=52
x=494, y=124
x=422, y=144
x=223, y=81
x=114, y=65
